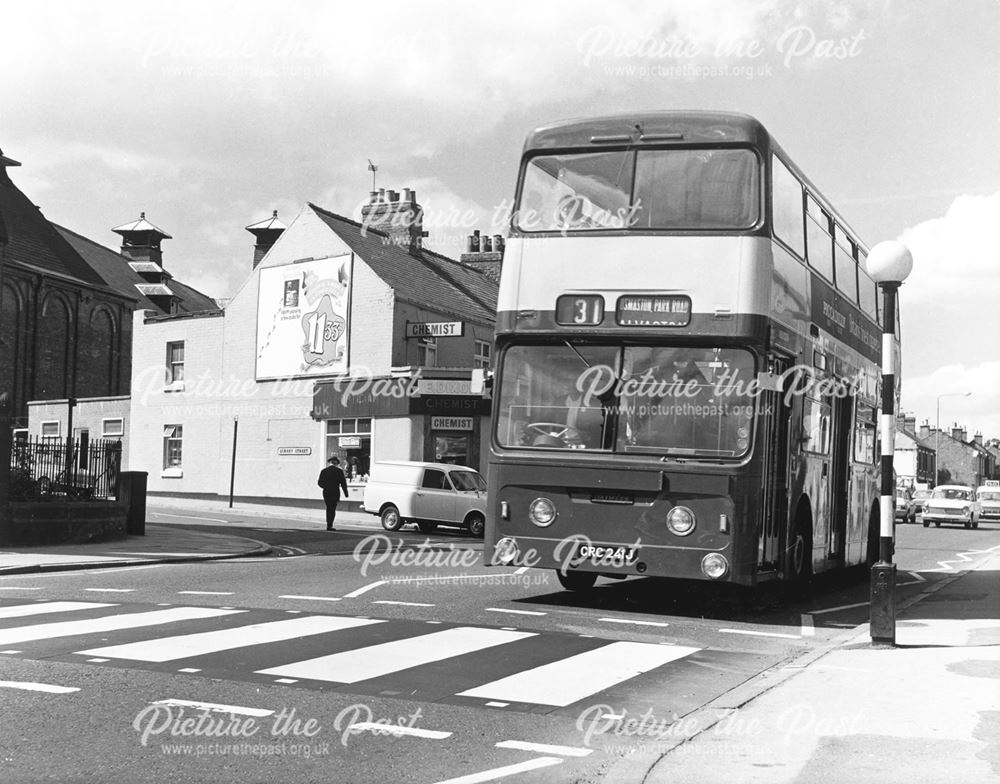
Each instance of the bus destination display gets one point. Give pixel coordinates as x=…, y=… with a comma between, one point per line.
x=657, y=310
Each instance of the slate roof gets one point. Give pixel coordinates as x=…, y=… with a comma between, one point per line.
x=427, y=280
x=34, y=242
x=116, y=270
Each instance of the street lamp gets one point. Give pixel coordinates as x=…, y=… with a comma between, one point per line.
x=937, y=428
x=889, y=264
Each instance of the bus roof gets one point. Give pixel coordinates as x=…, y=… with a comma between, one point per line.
x=696, y=127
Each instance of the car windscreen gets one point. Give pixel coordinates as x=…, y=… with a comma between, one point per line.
x=465, y=481
x=951, y=494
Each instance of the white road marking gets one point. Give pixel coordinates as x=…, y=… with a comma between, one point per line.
x=47, y=631
x=110, y=590
x=515, y=612
x=189, y=670
x=189, y=553
x=397, y=731
x=46, y=687
x=208, y=593
x=375, y=660
x=215, y=707
x=184, y=646
x=311, y=598
x=507, y=770
x=495, y=704
x=98, y=660
x=405, y=604
x=364, y=589
x=189, y=517
x=545, y=748
x=630, y=621
x=808, y=630
x=21, y=610
x=19, y=588
x=126, y=569
x=569, y=680
x=750, y=633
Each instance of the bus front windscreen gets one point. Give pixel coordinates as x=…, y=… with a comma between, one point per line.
x=680, y=401
x=671, y=189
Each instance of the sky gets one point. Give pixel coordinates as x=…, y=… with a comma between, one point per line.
x=209, y=115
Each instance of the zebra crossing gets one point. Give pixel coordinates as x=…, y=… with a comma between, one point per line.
x=431, y=661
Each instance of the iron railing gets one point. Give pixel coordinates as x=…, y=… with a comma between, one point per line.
x=50, y=468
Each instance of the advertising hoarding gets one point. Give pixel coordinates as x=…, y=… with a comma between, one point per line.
x=302, y=318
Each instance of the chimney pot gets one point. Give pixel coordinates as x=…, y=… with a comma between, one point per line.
x=407, y=195
x=468, y=244
x=498, y=243
x=381, y=194
x=487, y=244
x=393, y=196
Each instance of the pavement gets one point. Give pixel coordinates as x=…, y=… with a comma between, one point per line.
x=925, y=710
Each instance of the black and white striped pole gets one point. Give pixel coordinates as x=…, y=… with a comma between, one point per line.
x=889, y=263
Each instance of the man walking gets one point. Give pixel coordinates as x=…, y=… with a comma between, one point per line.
x=332, y=480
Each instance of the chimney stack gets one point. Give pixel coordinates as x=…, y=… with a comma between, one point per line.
x=910, y=423
x=266, y=232
x=400, y=220
x=978, y=438
x=141, y=240
x=484, y=253
x=958, y=433
x=925, y=430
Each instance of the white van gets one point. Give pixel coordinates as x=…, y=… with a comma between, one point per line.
x=428, y=494
x=989, y=499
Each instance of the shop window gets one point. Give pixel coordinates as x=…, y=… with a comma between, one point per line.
x=173, y=450
x=351, y=441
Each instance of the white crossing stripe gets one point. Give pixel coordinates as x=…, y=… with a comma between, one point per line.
x=46, y=687
x=41, y=608
x=506, y=770
x=569, y=680
x=215, y=707
x=545, y=748
x=396, y=731
x=47, y=631
x=376, y=660
x=184, y=646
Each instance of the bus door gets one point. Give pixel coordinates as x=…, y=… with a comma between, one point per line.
x=842, y=410
x=774, y=416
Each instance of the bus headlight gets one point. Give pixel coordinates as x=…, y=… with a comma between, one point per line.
x=505, y=552
x=714, y=566
x=681, y=520
x=542, y=512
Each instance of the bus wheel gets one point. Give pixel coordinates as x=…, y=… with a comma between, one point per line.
x=577, y=581
x=800, y=554
x=391, y=521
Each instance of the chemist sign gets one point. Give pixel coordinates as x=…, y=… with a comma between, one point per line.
x=451, y=423
x=435, y=329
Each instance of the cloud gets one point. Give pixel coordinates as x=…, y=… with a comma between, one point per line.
x=956, y=257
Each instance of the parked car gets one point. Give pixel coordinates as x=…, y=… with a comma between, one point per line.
x=989, y=500
x=953, y=504
x=904, y=506
x=919, y=498
x=428, y=494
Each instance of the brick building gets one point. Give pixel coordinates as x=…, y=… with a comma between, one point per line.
x=345, y=339
x=960, y=460
x=64, y=331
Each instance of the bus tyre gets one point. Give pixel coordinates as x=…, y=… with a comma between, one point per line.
x=577, y=581
x=477, y=526
x=391, y=521
x=800, y=554
x=427, y=528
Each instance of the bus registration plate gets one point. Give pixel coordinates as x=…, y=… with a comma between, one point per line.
x=657, y=310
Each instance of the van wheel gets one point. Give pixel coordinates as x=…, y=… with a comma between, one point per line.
x=477, y=526
x=391, y=521
x=427, y=528
x=577, y=581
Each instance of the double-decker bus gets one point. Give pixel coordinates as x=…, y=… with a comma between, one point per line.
x=688, y=358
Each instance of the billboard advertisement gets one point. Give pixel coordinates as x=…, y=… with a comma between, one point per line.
x=302, y=318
